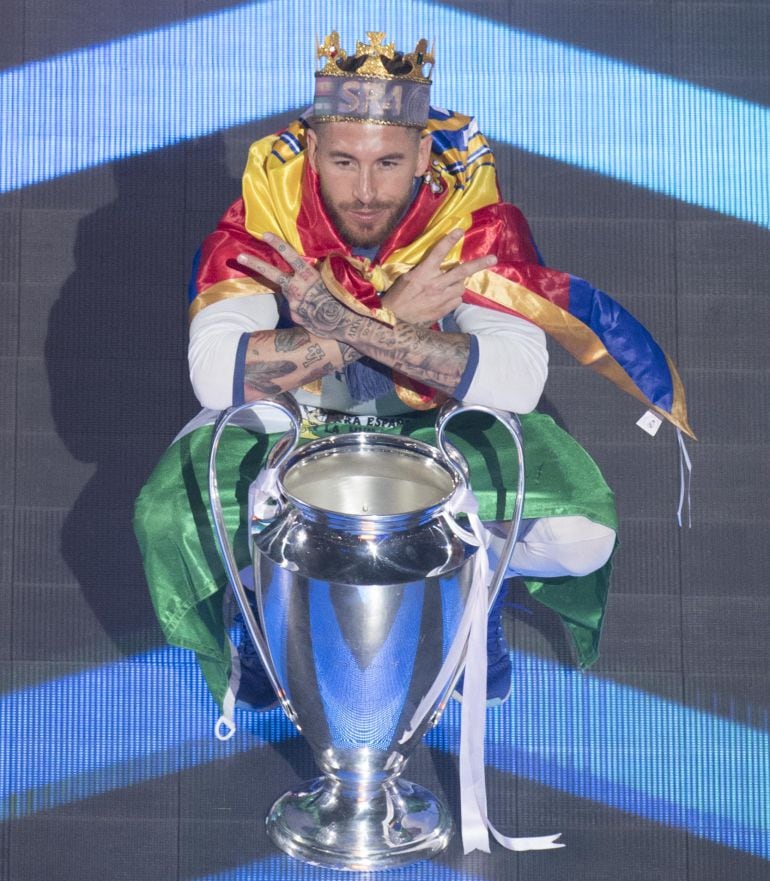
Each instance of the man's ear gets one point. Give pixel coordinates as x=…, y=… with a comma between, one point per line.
x=423, y=155
x=312, y=148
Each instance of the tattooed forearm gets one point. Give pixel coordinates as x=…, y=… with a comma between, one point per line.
x=290, y=339
x=283, y=360
x=435, y=358
x=259, y=377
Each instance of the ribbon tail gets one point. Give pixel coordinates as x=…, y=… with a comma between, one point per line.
x=542, y=842
x=473, y=794
x=685, y=481
x=476, y=826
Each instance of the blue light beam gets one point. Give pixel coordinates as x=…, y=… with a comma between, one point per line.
x=151, y=90
x=71, y=738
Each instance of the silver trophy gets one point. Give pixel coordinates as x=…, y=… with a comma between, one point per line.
x=363, y=575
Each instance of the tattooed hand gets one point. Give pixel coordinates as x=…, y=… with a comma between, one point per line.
x=310, y=303
x=427, y=293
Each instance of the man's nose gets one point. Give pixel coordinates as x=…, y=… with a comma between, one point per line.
x=364, y=190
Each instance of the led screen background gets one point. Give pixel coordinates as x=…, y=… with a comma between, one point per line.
x=634, y=136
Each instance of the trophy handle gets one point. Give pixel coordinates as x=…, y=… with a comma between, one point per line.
x=511, y=421
x=282, y=449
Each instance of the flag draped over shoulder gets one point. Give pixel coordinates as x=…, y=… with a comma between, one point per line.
x=281, y=195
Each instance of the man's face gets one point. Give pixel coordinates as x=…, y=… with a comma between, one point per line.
x=366, y=174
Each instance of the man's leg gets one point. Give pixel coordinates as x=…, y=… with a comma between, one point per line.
x=548, y=547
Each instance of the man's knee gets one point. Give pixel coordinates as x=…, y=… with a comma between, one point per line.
x=580, y=545
x=551, y=547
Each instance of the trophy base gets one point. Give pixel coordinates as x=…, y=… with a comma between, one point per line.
x=400, y=823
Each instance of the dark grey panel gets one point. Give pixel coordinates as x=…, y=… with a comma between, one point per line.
x=6, y=604
x=730, y=406
x=46, y=476
x=8, y=366
x=708, y=862
x=7, y=465
x=210, y=846
x=723, y=556
x=691, y=40
x=213, y=173
x=742, y=34
x=595, y=855
x=103, y=323
x=86, y=558
x=730, y=483
x=12, y=35
x=642, y=634
x=48, y=240
x=595, y=411
x=92, y=849
x=721, y=258
x=63, y=623
x=87, y=190
x=647, y=560
x=726, y=634
x=97, y=398
x=37, y=547
x=103, y=253
x=242, y=786
x=9, y=327
x=9, y=245
x=6, y=546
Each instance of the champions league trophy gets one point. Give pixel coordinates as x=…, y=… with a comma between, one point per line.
x=366, y=583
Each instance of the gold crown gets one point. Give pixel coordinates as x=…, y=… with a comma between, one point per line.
x=369, y=59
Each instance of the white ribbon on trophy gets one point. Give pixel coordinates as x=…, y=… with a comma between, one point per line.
x=476, y=825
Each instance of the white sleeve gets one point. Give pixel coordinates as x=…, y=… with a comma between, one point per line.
x=215, y=333
x=512, y=359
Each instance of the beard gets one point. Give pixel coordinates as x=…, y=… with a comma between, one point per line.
x=358, y=233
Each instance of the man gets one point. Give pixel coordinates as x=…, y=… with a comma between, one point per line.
x=372, y=270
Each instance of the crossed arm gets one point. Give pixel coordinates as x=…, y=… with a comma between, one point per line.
x=327, y=335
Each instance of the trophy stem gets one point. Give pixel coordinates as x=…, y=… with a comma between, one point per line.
x=327, y=824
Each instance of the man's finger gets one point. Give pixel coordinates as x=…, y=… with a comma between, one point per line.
x=267, y=270
x=435, y=257
x=285, y=250
x=464, y=270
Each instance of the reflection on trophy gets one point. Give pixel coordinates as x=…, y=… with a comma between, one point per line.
x=365, y=578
